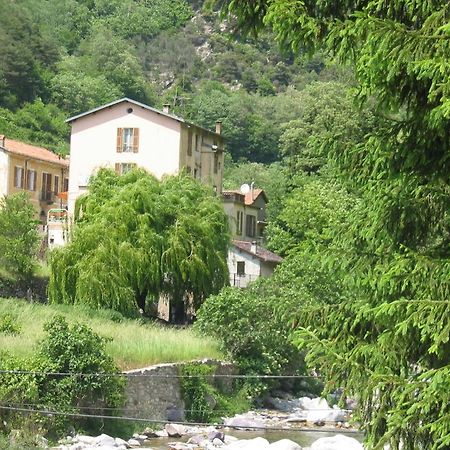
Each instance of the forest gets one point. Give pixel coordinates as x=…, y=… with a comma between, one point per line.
x=341, y=113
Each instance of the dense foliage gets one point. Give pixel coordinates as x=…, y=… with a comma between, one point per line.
x=137, y=238
x=19, y=238
x=180, y=52
x=386, y=339
x=68, y=350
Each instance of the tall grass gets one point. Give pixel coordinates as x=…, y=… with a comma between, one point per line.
x=133, y=343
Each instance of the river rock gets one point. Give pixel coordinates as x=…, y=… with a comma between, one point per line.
x=338, y=442
x=134, y=442
x=258, y=443
x=284, y=444
x=104, y=440
x=120, y=442
x=216, y=435
x=175, y=430
x=242, y=421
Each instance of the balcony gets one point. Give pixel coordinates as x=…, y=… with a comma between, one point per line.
x=241, y=281
x=47, y=197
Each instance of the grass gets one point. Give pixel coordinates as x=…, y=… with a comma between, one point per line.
x=133, y=343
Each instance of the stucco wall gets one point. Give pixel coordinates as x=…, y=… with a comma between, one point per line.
x=93, y=144
x=61, y=171
x=3, y=173
x=252, y=267
x=155, y=392
x=200, y=163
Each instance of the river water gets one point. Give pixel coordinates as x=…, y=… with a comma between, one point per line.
x=301, y=437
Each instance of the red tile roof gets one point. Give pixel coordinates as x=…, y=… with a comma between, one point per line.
x=31, y=151
x=261, y=252
x=250, y=197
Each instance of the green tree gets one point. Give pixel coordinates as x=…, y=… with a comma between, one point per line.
x=167, y=237
x=19, y=238
x=387, y=342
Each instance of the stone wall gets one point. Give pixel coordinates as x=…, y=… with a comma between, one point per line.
x=34, y=289
x=155, y=393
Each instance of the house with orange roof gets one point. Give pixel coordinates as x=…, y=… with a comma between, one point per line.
x=42, y=174
x=246, y=213
x=247, y=259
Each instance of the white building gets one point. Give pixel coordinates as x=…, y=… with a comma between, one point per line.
x=125, y=134
x=248, y=261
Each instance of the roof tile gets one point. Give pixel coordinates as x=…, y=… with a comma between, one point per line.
x=23, y=149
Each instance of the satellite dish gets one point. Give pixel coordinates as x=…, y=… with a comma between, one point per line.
x=245, y=189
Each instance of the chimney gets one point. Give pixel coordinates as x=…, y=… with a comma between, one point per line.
x=253, y=247
x=166, y=108
x=219, y=127
x=2, y=140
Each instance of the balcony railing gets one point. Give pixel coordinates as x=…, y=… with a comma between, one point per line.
x=47, y=196
x=242, y=281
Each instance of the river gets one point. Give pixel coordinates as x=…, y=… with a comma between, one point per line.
x=302, y=438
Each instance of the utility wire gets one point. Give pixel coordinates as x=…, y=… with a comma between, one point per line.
x=124, y=408
x=157, y=421
x=147, y=375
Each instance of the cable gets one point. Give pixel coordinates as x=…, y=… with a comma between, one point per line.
x=101, y=408
x=193, y=424
x=146, y=375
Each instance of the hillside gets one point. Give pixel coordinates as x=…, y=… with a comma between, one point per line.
x=63, y=57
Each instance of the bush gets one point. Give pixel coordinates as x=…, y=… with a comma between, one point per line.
x=69, y=351
x=204, y=402
x=9, y=325
x=19, y=238
x=252, y=331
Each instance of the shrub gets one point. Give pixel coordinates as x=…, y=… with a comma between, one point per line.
x=9, y=325
x=19, y=238
x=253, y=333
x=68, y=351
x=203, y=401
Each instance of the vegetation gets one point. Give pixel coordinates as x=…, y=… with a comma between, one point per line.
x=132, y=343
x=69, y=351
x=386, y=339
x=164, y=238
x=204, y=400
x=19, y=239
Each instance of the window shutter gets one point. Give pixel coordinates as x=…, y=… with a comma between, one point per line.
x=119, y=139
x=135, y=140
x=15, y=176
x=117, y=168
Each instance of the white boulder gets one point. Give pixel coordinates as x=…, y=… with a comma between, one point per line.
x=258, y=443
x=284, y=444
x=338, y=442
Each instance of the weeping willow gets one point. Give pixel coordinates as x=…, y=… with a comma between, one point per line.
x=387, y=340
x=136, y=238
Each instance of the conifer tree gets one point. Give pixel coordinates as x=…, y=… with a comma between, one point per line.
x=388, y=341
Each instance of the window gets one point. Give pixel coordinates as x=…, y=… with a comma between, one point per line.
x=240, y=269
x=56, y=184
x=66, y=184
x=31, y=180
x=123, y=168
x=250, y=225
x=197, y=140
x=18, y=177
x=216, y=163
x=46, y=186
x=240, y=219
x=189, y=147
x=127, y=140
